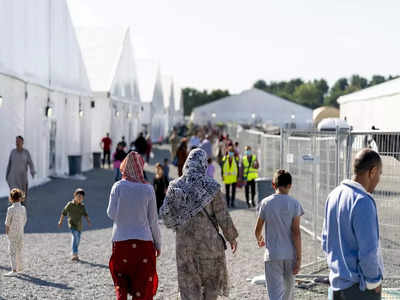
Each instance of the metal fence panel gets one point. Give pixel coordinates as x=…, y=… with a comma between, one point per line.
x=318, y=162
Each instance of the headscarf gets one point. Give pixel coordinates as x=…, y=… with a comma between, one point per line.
x=190, y=193
x=132, y=167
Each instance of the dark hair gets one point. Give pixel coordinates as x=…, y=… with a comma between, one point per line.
x=209, y=160
x=16, y=194
x=282, y=178
x=365, y=160
x=20, y=137
x=79, y=192
x=165, y=159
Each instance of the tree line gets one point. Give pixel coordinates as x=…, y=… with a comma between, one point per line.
x=312, y=93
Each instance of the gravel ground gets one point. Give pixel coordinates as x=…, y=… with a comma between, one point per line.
x=49, y=273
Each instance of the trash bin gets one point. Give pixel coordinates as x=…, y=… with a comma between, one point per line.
x=97, y=160
x=264, y=188
x=75, y=164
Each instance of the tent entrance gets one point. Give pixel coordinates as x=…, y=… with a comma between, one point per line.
x=52, y=146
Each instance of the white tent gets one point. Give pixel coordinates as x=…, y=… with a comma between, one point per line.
x=41, y=70
x=375, y=106
x=171, y=108
x=254, y=106
x=158, y=112
x=109, y=57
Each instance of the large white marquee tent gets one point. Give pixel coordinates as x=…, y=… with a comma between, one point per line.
x=253, y=106
x=375, y=106
x=41, y=70
x=109, y=57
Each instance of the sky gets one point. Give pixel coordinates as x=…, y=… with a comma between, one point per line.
x=229, y=44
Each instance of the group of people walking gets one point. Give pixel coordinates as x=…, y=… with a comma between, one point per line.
x=193, y=207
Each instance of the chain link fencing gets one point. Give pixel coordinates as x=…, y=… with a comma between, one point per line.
x=318, y=162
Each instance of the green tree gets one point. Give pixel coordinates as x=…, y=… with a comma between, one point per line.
x=260, y=84
x=376, y=79
x=308, y=95
x=337, y=90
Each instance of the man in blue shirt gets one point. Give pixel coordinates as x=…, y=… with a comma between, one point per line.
x=350, y=236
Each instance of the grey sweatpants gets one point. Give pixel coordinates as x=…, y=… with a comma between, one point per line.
x=279, y=278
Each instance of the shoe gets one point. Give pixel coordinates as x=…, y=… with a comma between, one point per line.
x=248, y=205
x=233, y=205
x=252, y=203
x=75, y=258
x=11, y=274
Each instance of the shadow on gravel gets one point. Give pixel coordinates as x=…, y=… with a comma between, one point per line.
x=92, y=264
x=42, y=282
x=45, y=203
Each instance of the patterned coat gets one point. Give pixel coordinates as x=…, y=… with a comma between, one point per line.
x=200, y=253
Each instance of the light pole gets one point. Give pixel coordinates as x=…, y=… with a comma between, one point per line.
x=1, y=101
x=213, y=116
x=292, y=123
x=253, y=116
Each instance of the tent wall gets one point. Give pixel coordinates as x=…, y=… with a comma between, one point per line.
x=101, y=120
x=86, y=133
x=381, y=112
x=12, y=114
x=36, y=133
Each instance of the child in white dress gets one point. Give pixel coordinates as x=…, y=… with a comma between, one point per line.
x=15, y=223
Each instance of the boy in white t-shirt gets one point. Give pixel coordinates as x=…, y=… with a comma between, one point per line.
x=281, y=215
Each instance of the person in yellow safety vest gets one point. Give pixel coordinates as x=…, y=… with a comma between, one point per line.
x=250, y=173
x=230, y=172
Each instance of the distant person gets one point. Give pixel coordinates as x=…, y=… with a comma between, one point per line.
x=160, y=185
x=350, y=235
x=75, y=210
x=206, y=146
x=118, y=156
x=166, y=170
x=149, y=146
x=136, y=238
x=250, y=174
x=230, y=170
x=210, y=168
x=17, y=168
x=220, y=152
x=174, y=141
x=123, y=143
x=281, y=215
x=237, y=149
x=194, y=141
x=141, y=145
x=15, y=223
x=195, y=209
x=181, y=155
x=106, y=143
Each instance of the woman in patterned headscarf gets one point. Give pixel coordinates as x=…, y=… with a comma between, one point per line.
x=195, y=209
x=136, y=235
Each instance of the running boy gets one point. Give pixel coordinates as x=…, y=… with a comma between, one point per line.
x=15, y=223
x=75, y=210
x=281, y=215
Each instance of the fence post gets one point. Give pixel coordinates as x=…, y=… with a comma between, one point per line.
x=337, y=155
x=314, y=185
x=281, y=149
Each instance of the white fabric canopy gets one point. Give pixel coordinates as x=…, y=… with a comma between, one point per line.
x=41, y=66
x=253, y=106
x=39, y=45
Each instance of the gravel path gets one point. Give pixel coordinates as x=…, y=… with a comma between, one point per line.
x=49, y=273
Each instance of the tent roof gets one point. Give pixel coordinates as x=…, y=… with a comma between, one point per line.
x=388, y=88
x=265, y=106
x=324, y=112
x=109, y=58
x=46, y=51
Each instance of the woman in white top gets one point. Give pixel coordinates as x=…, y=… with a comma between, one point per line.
x=136, y=235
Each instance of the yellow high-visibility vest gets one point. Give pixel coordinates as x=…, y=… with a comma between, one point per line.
x=230, y=171
x=249, y=173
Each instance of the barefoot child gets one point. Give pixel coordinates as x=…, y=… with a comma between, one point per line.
x=15, y=223
x=281, y=215
x=75, y=210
